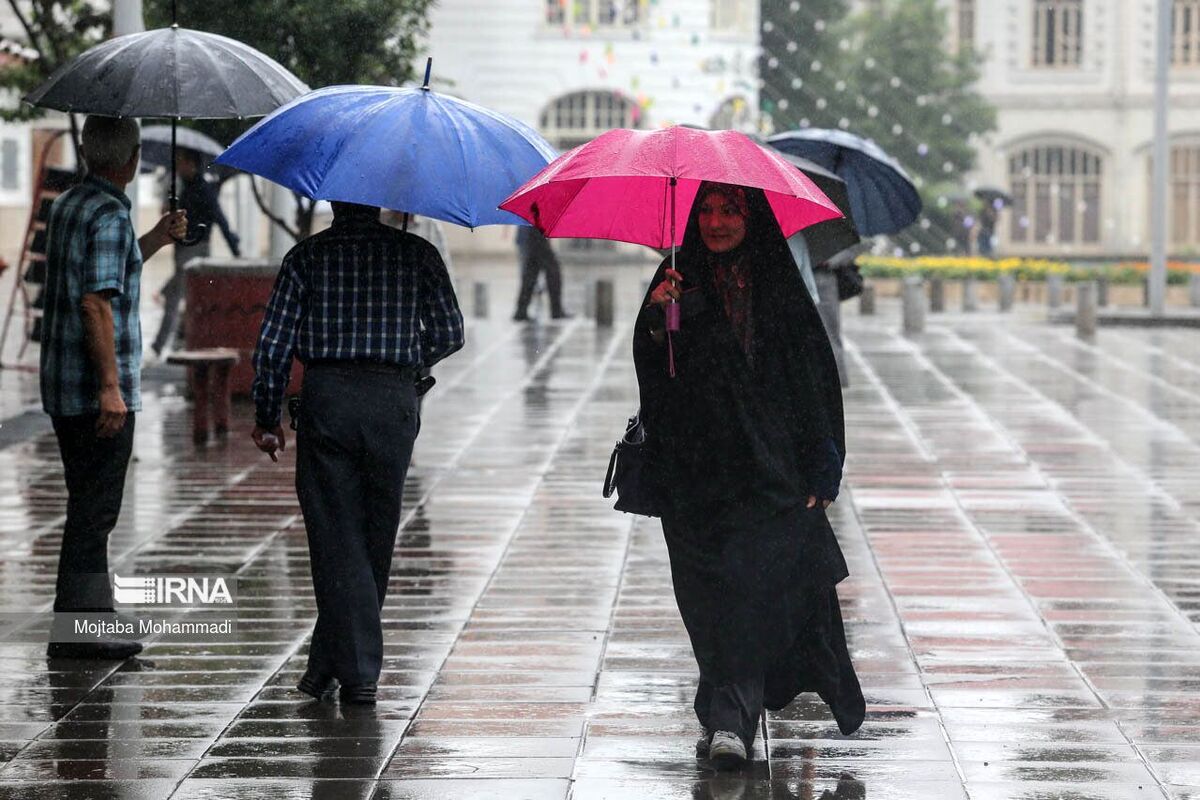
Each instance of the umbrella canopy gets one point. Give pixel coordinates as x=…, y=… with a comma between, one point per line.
x=826, y=239
x=156, y=144
x=625, y=184
x=997, y=198
x=883, y=198
x=409, y=150
x=172, y=73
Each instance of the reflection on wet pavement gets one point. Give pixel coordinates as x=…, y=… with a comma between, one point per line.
x=1022, y=522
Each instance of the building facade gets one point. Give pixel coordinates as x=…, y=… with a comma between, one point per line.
x=1073, y=81
x=576, y=68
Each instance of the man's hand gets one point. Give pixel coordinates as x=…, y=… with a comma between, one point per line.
x=171, y=227
x=269, y=441
x=112, y=413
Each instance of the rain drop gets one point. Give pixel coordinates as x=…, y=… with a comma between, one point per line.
x=897, y=129
x=773, y=63
x=797, y=83
x=951, y=243
x=822, y=103
x=922, y=100
x=819, y=25
x=815, y=66
x=804, y=123
x=794, y=6
x=947, y=167
x=914, y=248
x=895, y=82
x=869, y=63
x=768, y=26
x=843, y=123
x=840, y=86
x=925, y=223
x=783, y=104
x=922, y=149
x=947, y=119
x=872, y=112
x=792, y=47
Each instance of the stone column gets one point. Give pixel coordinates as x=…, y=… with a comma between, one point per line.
x=480, y=298
x=937, y=295
x=1054, y=291
x=970, y=301
x=866, y=300
x=1008, y=291
x=914, y=306
x=1086, y=317
x=604, y=303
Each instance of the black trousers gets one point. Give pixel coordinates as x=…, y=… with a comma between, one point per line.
x=530, y=269
x=95, y=475
x=354, y=441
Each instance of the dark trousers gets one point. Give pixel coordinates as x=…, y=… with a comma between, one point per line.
x=354, y=441
x=530, y=269
x=95, y=475
x=734, y=707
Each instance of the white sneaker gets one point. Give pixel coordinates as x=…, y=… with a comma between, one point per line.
x=726, y=751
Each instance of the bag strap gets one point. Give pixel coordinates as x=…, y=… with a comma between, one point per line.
x=612, y=469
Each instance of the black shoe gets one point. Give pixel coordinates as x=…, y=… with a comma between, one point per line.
x=520, y=317
x=316, y=685
x=361, y=694
x=561, y=315
x=106, y=649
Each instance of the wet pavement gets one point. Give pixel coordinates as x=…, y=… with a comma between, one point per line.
x=1021, y=519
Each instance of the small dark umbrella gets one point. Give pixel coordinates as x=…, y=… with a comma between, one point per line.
x=997, y=198
x=826, y=239
x=883, y=197
x=173, y=73
x=157, y=152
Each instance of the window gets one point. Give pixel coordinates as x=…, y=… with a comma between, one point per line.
x=965, y=24
x=1056, y=194
x=735, y=114
x=730, y=15
x=580, y=117
x=1057, y=33
x=596, y=13
x=1184, y=195
x=1185, y=34
x=10, y=165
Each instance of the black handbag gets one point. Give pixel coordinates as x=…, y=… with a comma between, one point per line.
x=629, y=470
x=849, y=281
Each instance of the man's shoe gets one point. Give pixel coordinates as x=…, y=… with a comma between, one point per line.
x=703, y=743
x=316, y=685
x=561, y=315
x=520, y=317
x=361, y=694
x=105, y=649
x=727, y=751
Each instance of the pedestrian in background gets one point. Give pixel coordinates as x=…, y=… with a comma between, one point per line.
x=537, y=257
x=91, y=358
x=199, y=200
x=364, y=307
x=743, y=412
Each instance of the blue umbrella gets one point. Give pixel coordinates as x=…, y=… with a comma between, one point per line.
x=410, y=150
x=883, y=198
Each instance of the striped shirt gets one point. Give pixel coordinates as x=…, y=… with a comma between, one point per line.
x=359, y=291
x=90, y=248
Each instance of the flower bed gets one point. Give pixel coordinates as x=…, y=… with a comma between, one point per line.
x=1030, y=269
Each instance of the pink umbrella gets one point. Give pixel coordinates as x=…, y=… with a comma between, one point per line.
x=638, y=186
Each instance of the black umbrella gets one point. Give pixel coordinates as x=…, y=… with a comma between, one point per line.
x=994, y=197
x=173, y=73
x=827, y=239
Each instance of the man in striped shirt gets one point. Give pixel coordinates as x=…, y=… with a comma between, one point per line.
x=364, y=307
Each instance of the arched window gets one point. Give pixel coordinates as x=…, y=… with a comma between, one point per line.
x=1183, y=194
x=735, y=114
x=580, y=117
x=1057, y=195
x=596, y=13
x=1057, y=33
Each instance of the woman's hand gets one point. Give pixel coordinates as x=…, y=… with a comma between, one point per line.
x=812, y=502
x=666, y=292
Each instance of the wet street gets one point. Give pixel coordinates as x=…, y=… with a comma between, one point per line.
x=1021, y=516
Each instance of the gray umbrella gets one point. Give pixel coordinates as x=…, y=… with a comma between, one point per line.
x=174, y=73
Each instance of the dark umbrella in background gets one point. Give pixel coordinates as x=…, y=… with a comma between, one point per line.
x=826, y=239
x=883, y=199
x=157, y=150
x=172, y=73
x=997, y=198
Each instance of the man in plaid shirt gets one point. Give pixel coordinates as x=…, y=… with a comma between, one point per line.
x=364, y=307
x=91, y=362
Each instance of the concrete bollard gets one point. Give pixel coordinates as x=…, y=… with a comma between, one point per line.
x=970, y=300
x=1102, y=291
x=1054, y=291
x=914, y=306
x=480, y=300
x=866, y=300
x=1194, y=289
x=1086, y=317
x=937, y=295
x=604, y=303
x=1008, y=291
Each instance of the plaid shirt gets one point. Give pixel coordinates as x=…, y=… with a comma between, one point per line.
x=344, y=294
x=90, y=247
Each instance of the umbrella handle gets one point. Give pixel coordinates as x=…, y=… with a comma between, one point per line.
x=195, y=239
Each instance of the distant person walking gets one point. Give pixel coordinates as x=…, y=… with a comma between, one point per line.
x=364, y=307
x=91, y=361
x=199, y=200
x=537, y=257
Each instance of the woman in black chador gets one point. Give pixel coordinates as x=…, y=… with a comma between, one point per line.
x=748, y=444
